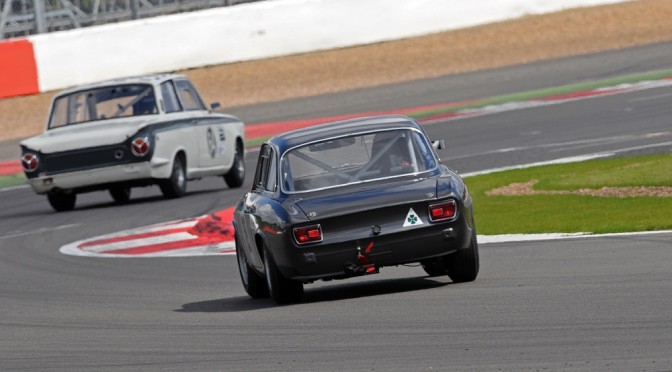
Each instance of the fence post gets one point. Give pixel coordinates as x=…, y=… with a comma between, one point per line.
x=135, y=9
x=40, y=22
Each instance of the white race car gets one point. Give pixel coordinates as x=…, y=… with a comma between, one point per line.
x=123, y=133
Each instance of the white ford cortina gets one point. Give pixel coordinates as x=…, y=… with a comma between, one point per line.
x=124, y=133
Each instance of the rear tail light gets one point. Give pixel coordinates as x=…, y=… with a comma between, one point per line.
x=442, y=212
x=308, y=234
x=140, y=146
x=30, y=162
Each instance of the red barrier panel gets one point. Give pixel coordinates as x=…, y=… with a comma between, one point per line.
x=18, y=70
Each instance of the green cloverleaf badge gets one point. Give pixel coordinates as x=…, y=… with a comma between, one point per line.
x=412, y=219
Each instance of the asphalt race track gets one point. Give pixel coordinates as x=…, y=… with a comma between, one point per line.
x=600, y=303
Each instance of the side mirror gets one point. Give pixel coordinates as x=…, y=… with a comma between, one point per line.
x=439, y=145
x=215, y=105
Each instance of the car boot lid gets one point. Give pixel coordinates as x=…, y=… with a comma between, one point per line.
x=366, y=198
x=86, y=135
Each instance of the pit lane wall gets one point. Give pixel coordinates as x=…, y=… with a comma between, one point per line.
x=232, y=34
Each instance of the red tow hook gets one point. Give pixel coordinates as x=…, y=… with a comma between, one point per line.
x=366, y=265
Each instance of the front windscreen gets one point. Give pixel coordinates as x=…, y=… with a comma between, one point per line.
x=103, y=103
x=357, y=158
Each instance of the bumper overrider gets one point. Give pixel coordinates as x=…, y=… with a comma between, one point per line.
x=366, y=254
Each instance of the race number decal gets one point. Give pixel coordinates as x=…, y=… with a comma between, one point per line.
x=212, y=143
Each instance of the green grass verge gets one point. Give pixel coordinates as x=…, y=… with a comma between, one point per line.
x=255, y=142
x=12, y=180
x=574, y=213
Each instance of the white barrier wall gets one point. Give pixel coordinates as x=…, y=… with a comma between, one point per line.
x=258, y=30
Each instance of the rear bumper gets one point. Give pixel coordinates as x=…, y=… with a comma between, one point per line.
x=324, y=261
x=156, y=169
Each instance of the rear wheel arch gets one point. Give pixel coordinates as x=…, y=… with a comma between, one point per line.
x=259, y=243
x=235, y=177
x=240, y=143
x=176, y=184
x=182, y=155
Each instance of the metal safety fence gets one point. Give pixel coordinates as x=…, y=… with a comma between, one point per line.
x=28, y=17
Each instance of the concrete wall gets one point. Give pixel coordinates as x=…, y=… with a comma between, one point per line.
x=244, y=32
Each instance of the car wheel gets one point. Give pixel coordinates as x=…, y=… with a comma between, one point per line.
x=176, y=185
x=435, y=266
x=121, y=194
x=236, y=175
x=463, y=265
x=62, y=202
x=254, y=285
x=281, y=289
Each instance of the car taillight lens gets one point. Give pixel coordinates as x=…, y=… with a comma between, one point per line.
x=444, y=211
x=140, y=146
x=30, y=162
x=308, y=234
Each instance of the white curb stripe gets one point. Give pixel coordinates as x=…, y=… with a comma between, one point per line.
x=225, y=248
x=126, y=244
x=514, y=238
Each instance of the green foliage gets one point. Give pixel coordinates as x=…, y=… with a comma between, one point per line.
x=575, y=213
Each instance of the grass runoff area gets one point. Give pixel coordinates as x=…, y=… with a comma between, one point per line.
x=563, y=200
x=570, y=198
x=12, y=180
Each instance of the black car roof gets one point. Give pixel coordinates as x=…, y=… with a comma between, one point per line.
x=366, y=124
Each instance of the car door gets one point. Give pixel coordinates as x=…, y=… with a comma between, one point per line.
x=205, y=134
x=255, y=218
x=178, y=129
x=219, y=145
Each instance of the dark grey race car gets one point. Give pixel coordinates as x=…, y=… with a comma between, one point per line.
x=344, y=199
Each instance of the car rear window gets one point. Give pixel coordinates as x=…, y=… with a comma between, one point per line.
x=357, y=158
x=103, y=103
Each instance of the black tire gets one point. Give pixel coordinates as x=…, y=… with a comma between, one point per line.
x=254, y=285
x=435, y=266
x=120, y=194
x=236, y=175
x=62, y=202
x=463, y=265
x=176, y=185
x=281, y=289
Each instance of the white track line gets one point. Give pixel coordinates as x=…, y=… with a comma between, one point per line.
x=38, y=231
x=514, y=238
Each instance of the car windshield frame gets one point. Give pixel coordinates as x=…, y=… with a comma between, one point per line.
x=426, y=161
x=118, y=101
